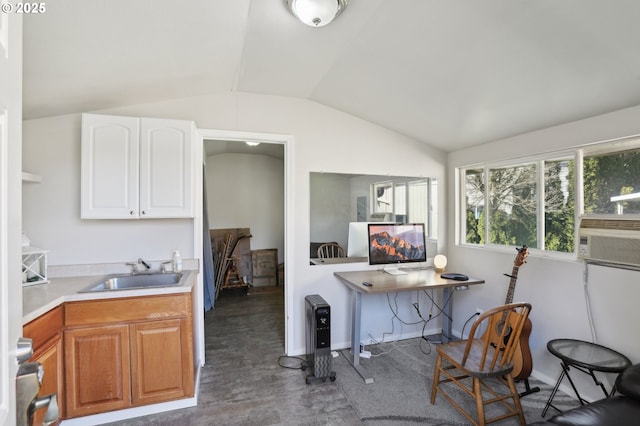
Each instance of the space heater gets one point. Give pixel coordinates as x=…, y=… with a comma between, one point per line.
x=318, y=329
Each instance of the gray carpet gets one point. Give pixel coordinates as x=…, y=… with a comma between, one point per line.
x=400, y=394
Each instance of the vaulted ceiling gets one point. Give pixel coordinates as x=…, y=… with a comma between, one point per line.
x=448, y=73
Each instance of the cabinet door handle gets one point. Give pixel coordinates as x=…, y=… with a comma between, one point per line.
x=144, y=212
x=131, y=213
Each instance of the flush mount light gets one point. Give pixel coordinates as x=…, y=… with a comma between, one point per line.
x=250, y=143
x=317, y=13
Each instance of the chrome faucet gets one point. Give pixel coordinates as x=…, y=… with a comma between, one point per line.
x=163, y=266
x=143, y=263
x=134, y=266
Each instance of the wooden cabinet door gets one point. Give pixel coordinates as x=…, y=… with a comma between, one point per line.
x=166, y=168
x=161, y=361
x=97, y=369
x=52, y=361
x=109, y=167
x=46, y=334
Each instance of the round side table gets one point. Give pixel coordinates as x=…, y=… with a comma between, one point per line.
x=586, y=357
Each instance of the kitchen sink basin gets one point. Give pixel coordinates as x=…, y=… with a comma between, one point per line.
x=134, y=282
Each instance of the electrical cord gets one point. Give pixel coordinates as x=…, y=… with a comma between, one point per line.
x=444, y=305
x=423, y=320
x=395, y=313
x=467, y=322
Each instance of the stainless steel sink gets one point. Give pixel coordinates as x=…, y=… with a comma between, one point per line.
x=133, y=282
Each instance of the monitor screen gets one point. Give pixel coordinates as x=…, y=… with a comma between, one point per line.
x=396, y=243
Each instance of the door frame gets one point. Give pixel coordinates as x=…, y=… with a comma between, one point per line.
x=10, y=208
x=287, y=142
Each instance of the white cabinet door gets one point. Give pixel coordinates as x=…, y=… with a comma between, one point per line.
x=136, y=167
x=110, y=159
x=166, y=168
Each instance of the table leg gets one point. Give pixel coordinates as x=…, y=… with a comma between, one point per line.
x=599, y=383
x=356, y=316
x=553, y=392
x=447, y=294
x=575, y=389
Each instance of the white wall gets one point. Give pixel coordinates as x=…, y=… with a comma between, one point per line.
x=247, y=191
x=556, y=288
x=51, y=209
x=324, y=139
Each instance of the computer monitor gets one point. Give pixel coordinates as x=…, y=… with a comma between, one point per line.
x=393, y=244
x=358, y=241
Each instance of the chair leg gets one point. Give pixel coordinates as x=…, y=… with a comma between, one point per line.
x=516, y=399
x=477, y=392
x=436, y=379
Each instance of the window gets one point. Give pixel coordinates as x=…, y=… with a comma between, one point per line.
x=474, y=202
x=559, y=205
x=535, y=203
x=513, y=205
x=612, y=183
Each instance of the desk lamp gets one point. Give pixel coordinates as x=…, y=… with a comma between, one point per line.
x=440, y=261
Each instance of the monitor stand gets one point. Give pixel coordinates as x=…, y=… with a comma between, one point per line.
x=392, y=270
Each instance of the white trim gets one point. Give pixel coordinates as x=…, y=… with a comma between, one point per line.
x=4, y=34
x=4, y=272
x=287, y=141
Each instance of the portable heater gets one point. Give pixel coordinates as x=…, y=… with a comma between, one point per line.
x=318, y=321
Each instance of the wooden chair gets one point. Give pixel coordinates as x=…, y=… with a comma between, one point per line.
x=484, y=364
x=330, y=250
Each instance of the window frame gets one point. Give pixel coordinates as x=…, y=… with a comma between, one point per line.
x=577, y=154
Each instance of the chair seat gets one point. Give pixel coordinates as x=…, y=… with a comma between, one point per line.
x=473, y=367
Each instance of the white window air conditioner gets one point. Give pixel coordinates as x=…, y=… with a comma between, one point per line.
x=610, y=240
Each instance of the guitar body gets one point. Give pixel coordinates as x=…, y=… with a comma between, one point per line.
x=522, y=361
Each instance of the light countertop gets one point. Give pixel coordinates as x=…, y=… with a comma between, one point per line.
x=41, y=298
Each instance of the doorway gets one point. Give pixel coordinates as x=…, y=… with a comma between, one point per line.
x=245, y=187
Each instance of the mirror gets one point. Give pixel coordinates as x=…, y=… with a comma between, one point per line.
x=338, y=199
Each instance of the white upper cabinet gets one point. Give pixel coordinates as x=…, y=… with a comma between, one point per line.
x=136, y=167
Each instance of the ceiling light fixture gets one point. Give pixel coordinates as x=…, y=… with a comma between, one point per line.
x=252, y=143
x=317, y=13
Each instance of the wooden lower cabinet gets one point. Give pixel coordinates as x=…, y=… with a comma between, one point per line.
x=46, y=333
x=144, y=358
x=161, y=362
x=97, y=369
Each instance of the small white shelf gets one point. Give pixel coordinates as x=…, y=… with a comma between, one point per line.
x=34, y=265
x=31, y=178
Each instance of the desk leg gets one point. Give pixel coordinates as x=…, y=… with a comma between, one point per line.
x=447, y=297
x=356, y=316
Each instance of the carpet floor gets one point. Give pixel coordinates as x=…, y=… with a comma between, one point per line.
x=245, y=382
x=400, y=394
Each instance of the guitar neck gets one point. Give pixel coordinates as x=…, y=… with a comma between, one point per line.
x=512, y=285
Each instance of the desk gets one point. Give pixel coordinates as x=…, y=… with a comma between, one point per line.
x=586, y=357
x=417, y=279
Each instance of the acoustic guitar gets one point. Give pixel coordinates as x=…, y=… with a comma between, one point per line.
x=522, y=362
